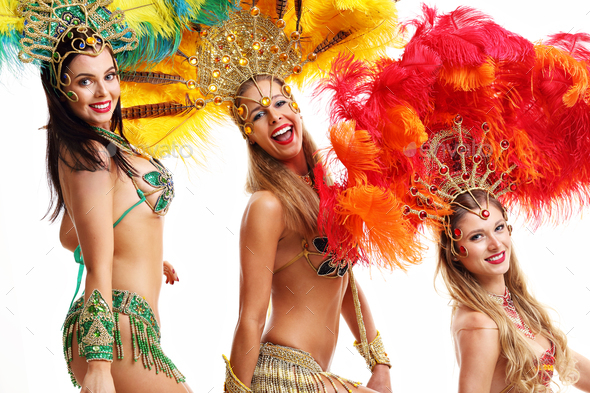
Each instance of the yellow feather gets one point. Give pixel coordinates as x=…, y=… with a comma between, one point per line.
x=9, y=19
x=155, y=12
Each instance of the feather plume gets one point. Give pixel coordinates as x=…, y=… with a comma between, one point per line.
x=281, y=7
x=155, y=78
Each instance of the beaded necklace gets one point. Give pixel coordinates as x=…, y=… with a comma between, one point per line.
x=506, y=302
x=307, y=179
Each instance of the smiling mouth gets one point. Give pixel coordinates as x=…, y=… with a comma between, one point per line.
x=498, y=258
x=283, y=134
x=101, y=107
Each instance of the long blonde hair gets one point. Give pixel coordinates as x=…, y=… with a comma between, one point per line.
x=299, y=201
x=521, y=368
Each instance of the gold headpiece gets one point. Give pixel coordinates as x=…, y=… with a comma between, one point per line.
x=247, y=45
x=84, y=26
x=455, y=162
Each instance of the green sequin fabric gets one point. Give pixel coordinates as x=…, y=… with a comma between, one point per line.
x=48, y=22
x=145, y=334
x=161, y=179
x=96, y=328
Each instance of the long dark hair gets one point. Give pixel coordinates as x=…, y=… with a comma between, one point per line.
x=67, y=133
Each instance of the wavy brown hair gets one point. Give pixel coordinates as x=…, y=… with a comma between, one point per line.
x=299, y=201
x=521, y=367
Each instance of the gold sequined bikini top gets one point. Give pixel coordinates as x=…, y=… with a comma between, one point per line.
x=329, y=267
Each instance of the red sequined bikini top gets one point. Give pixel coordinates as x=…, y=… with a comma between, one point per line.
x=546, y=365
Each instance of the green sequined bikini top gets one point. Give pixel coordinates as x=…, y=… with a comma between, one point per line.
x=160, y=179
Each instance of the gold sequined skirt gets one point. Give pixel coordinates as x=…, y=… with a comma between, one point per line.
x=288, y=370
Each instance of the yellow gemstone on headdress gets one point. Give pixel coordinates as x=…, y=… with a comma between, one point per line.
x=295, y=36
x=255, y=11
x=216, y=73
x=274, y=49
x=212, y=88
x=256, y=45
x=199, y=103
x=218, y=100
x=231, y=38
x=247, y=130
x=283, y=56
x=191, y=84
x=312, y=57
x=204, y=33
x=287, y=89
x=265, y=101
x=193, y=60
x=241, y=111
x=225, y=59
x=90, y=40
x=294, y=105
x=243, y=62
x=281, y=24
x=297, y=69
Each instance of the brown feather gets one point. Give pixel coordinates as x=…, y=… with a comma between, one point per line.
x=328, y=43
x=281, y=7
x=155, y=110
x=298, y=9
x=155, y=78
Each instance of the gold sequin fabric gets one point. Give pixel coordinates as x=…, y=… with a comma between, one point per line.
x=287, y=370
x=377, y=353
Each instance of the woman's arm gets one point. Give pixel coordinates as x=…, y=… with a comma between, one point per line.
x=261, y=229
x=90, y=205
x=380, y=380
x=478, y=350
x=583, y=366
x=67, y=233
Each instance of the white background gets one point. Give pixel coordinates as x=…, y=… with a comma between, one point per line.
x=37, y=277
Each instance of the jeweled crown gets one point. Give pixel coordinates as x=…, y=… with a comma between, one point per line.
x=456, y=161
x=84, y=24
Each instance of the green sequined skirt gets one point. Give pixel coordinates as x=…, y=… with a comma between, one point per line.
x=288, y=370
x=145, y=334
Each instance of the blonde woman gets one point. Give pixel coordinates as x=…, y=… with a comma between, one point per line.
x=504, y=338
x=281, y=263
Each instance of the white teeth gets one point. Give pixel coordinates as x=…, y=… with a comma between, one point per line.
x=281, y=131
x=496, y=257
x=101, y=106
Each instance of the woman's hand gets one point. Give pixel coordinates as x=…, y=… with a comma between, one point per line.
x=98, y=378
x=380, y=380
x=170, y=273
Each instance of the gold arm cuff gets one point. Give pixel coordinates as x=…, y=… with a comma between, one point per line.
x=232, y=383
x=377, y=354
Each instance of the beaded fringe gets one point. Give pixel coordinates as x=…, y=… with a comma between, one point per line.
x=145, y=343
x=287, y=370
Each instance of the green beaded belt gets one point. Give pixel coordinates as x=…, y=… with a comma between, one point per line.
x=145, y=334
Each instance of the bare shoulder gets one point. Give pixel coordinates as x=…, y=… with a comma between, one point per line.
x=74, y=162
x=265, y=204
x=468, y=319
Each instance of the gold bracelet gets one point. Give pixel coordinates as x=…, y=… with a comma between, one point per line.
x=232, y=383
x=376, y=355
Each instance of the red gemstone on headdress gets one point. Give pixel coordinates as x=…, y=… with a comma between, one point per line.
x=477, y=159
x=458, y=119
x=463, y=250
x=429, y=200
x=444, y=170
x=485, y=127
x=513, y=187
x=425, y=147
x=465, y=176
x=491, y=166
x=217, y=59
x=414, y=191
x=433, y=189
x=263, y=39
x=220, y=46
x=422, y=215
x=505, y=144
x=406, y=210
x=485, y=213
x=504, y=176
x=457, y=232
x=416, y=177
x=461, y=149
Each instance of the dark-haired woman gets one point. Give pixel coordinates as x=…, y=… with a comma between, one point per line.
x=504, y=338
x=115, y=199
x=281, y=262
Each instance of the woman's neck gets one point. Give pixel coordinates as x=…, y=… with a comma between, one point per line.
x=298, y=164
